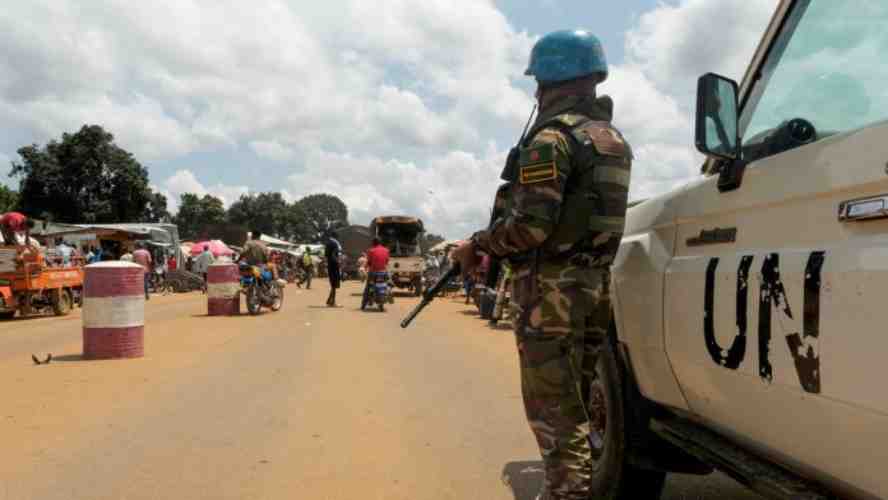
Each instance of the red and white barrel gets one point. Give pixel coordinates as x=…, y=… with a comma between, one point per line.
x=114, y=311
x=223, y=289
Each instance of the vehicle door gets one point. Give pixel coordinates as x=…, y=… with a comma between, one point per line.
x=774, y=312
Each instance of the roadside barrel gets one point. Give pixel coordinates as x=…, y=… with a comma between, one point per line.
x=223, y=289
x=113, y=311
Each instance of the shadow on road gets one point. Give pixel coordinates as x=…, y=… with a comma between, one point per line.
x=524, y=479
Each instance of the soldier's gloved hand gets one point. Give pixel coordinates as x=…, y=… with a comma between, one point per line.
x=467, y=256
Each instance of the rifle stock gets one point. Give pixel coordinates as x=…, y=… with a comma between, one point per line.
x=431, y=293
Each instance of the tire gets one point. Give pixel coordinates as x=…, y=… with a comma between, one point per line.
x=613, y=478
x=7, y=315
x=254, y=302
x=279, y=302
x=62, y=302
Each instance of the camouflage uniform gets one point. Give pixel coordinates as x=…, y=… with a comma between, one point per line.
x=566, y=217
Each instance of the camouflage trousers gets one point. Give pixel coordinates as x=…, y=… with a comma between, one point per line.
x=561, y=319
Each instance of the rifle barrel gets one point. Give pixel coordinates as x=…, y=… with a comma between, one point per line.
x=430, y=294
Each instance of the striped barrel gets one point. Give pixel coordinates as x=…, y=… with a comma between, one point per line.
x=113, y=311
x=223, y=289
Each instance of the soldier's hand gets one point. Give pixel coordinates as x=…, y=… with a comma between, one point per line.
x=467, y=256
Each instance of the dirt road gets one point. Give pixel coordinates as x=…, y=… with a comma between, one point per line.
x=307, y=403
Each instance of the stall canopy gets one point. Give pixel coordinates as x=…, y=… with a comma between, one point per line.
x=276, y=243
x=217, y=248
x=165, y=235
x=444, y=246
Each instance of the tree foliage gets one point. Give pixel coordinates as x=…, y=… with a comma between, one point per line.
x=265, y=212
x=322, y=213
x=8, y=199
x=197, y=214
x=84, y=177
x=157, y=211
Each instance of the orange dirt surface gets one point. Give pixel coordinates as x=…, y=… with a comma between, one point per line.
x=306, y=403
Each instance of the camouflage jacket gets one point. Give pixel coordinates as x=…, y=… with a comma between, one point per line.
x=571, y=187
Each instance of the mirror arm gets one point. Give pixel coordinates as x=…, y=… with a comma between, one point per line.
x=730, y=176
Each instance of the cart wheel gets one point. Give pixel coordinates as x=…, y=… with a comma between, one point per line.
x=62, y=302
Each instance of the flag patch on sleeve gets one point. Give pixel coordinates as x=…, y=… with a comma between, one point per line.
x=537, y=164
x=540, y=172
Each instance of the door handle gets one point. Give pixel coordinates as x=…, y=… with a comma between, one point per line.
x=875, y=207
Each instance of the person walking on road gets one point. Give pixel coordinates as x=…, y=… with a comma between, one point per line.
x=572, y=162
x=307, y=267
x=143, y=257
x=202, y=264
x=332, y=250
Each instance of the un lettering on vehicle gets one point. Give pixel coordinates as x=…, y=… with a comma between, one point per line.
x=777, y=301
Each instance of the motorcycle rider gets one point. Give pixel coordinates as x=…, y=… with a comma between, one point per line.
x=377, y=263
x=255, y=252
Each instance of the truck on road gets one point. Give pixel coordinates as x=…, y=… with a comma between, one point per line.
x=749, y=325
x=29, y=286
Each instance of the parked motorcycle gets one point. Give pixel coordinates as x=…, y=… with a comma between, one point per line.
x=260, y=289
x=378, y=291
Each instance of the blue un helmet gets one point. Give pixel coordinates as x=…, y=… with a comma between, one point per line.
x=566, y=55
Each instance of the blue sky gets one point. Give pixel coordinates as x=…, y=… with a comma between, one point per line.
x=395, y=106
x=607, y=19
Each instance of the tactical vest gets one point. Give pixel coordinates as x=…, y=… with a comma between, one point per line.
x=593, y=209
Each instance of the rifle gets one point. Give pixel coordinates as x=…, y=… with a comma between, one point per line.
x=429, y=295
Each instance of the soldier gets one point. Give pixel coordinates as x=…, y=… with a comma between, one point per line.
x=567, y=205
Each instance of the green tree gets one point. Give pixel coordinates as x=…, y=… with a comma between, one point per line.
x=84, y=177
x=323, y=213
x=8, y=199
x=265, y=212
x=197, y=215
x=157, y=211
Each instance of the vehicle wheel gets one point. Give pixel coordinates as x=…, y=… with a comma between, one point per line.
x=62, y=302
x=7, y=315
x=279, y=300
x=254, y=302
x=612, y=476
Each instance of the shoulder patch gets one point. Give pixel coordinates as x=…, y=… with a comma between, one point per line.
x=537, y=154
x=540, y=172
x=607, y=140
x=537, y=164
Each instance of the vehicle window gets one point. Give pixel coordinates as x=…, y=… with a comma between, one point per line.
x=823, y=76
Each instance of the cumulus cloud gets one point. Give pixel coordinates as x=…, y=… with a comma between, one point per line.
x=184, y=181
x=453, y=191
x=395, y=106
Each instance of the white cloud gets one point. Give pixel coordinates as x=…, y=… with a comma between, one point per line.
x=184, y=181
x=272, y=150
x=377, y=102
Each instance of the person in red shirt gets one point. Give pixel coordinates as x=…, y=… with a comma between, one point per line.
x=12, y=223
x=172, y=263
x=377, y=262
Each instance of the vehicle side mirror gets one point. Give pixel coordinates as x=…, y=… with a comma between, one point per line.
x=717, y=120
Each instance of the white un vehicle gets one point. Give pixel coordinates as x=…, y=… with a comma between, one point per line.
x=750, y=328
